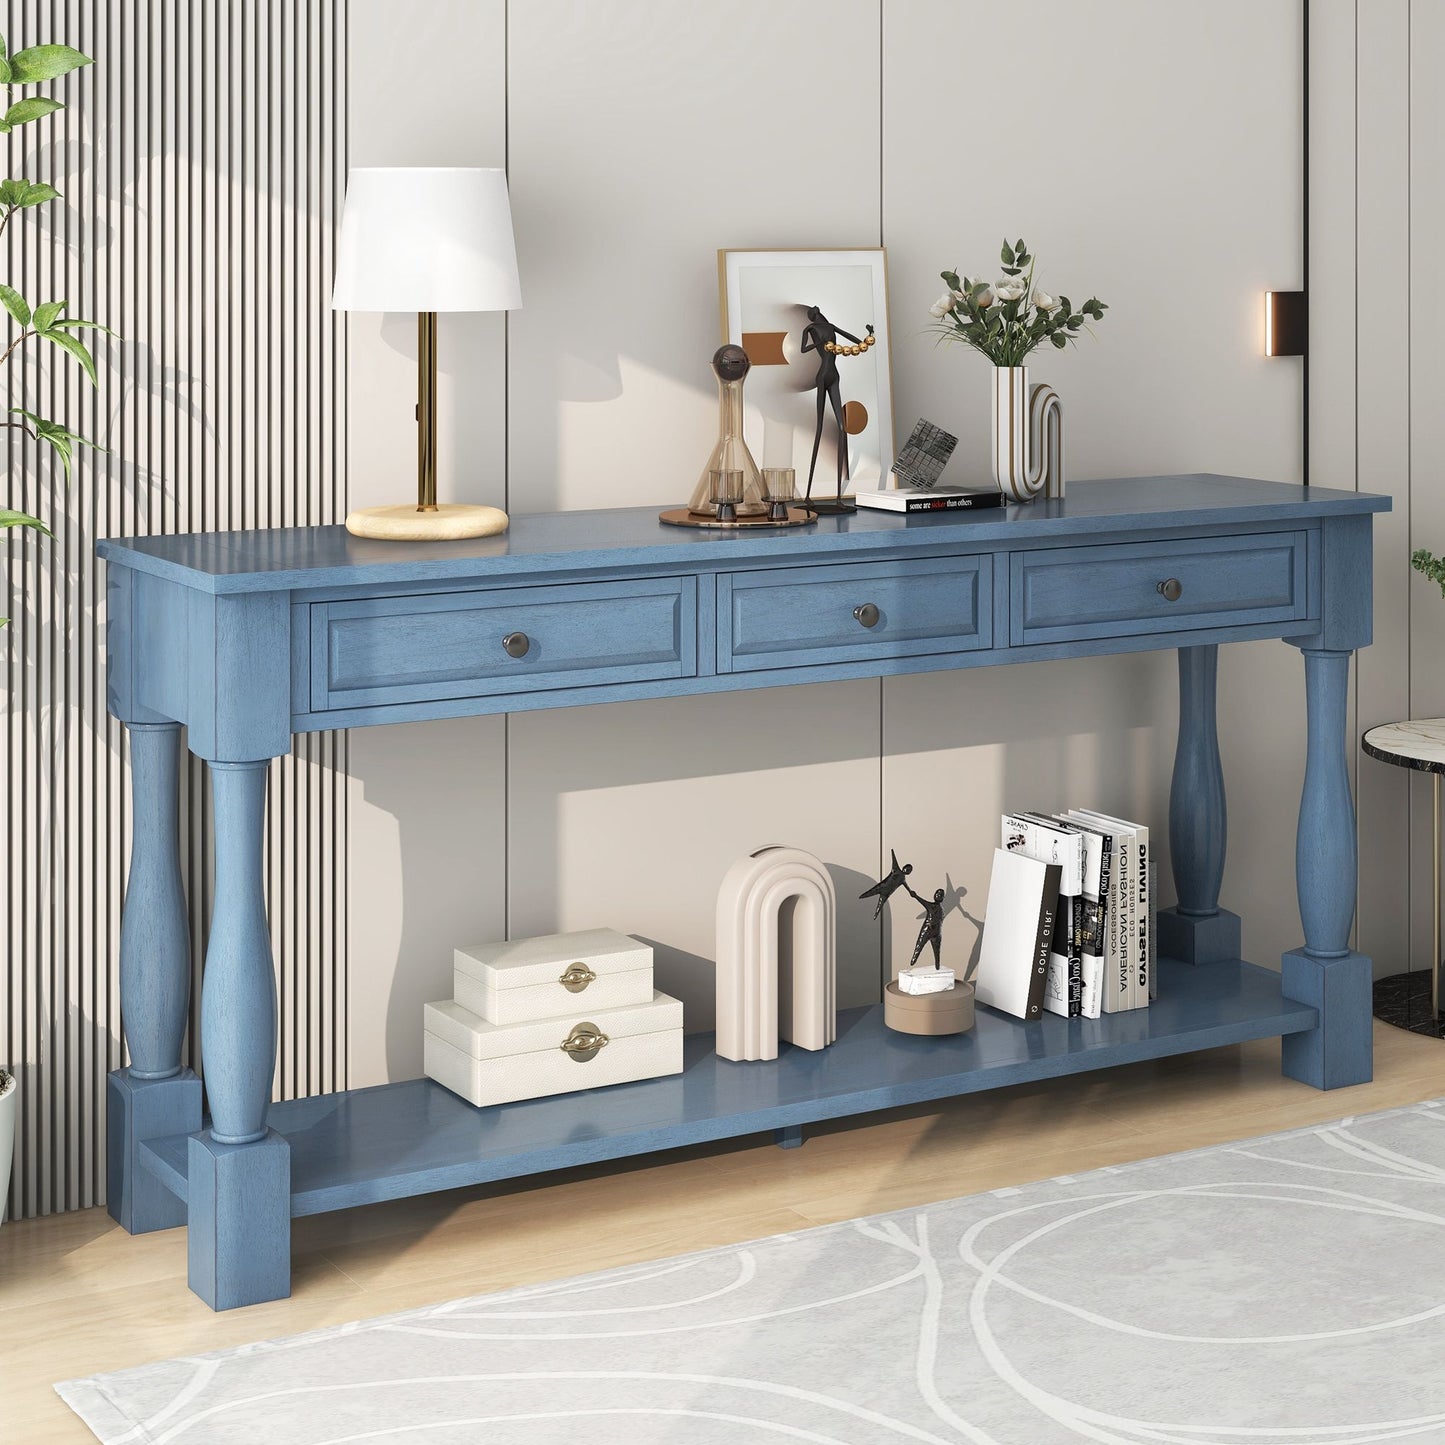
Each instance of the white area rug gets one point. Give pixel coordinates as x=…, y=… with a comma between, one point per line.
x=1284, y=1291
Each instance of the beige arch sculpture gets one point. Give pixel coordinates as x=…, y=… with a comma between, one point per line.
x=752, y=1011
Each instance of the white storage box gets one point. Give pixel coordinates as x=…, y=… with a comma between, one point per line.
x=554, y=976
x=490, y=1063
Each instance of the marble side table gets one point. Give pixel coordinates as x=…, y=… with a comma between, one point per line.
x=1403, y=999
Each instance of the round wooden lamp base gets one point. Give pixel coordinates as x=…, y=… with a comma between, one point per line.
x=450, y=522
x=930, y=1014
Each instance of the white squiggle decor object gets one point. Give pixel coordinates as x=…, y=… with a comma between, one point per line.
x=753, y=1012
x=1028, y=436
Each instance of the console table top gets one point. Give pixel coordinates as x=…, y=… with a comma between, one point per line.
x=280, y=558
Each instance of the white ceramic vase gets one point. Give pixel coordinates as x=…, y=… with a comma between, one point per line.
x=9, y=1097
x=1028, y=436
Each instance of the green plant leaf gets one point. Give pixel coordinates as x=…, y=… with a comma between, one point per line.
x=22, y=519
x=4, y=75
x=15, y=304
x=31, y=108
x=44, y=62
x=74, y=323
x=951, y=277
x=44, y=316
x=1006, y=252
x=76, y=348
x=62, y=439
x=1058, y=339
x=38, y=192
x=1020, y=250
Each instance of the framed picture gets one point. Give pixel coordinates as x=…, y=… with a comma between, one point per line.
x=781, y=307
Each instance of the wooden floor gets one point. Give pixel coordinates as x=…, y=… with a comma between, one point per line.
x=78, y=1295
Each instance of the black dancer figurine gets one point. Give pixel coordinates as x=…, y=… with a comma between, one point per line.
x=821, y=335
x=885, y=888
x=932, y=930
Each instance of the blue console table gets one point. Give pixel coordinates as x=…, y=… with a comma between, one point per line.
x=245, y=638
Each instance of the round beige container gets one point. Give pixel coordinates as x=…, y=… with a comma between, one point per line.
x=932, y=1014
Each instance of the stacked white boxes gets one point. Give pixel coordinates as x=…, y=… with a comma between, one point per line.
x=551, y=1015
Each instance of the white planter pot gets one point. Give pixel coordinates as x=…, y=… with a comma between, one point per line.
x=9, y=1097
x=1028, y=436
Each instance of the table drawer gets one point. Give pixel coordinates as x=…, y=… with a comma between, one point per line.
x=425, y=647
x=803, y=616
x=1065, y=594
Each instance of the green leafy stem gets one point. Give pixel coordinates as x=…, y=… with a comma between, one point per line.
x=47, y=321
x=1010, y=318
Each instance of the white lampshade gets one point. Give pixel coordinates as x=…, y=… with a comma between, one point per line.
x=426, y=238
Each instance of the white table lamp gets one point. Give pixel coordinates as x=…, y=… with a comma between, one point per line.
x=426, y=239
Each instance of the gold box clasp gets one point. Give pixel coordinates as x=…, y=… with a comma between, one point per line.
x=585, y=1042
x=576, y=978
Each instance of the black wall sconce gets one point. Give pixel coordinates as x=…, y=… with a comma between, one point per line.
x=1284, y=323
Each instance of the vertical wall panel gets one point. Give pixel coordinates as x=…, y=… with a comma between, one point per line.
x=201, y=160
x=1382, y=453
x=1427, y=434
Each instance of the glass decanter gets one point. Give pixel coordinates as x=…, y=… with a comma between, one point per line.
x=731, y=453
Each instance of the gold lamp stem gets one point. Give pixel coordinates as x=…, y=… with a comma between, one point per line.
x=426, y=411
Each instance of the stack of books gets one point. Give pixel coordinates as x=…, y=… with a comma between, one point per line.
x=1070, y=922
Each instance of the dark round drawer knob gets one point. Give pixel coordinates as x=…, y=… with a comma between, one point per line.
x=1172, y=590
x=516, y=644
x=867, y=614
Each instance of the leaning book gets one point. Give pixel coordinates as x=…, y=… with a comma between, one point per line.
x=1018, y=929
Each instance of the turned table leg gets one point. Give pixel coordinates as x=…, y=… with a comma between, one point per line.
x=1326, y=973
x=1197, y=929
x=239, y=1170
x=153, y=1096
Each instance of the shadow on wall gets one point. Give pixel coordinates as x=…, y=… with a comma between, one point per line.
x=427, y=868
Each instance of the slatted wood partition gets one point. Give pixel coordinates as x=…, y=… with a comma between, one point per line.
x=201, y=161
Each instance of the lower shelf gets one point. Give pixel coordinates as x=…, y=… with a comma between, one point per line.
x=366, y=1145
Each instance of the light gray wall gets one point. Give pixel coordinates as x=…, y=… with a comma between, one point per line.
x=1153, y=159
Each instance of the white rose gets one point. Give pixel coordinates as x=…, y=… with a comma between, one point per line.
x=985, y=299
x=1045, y=302
x=943, y=305
x=1010, y=288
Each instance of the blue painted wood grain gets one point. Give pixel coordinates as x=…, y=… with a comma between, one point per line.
x=370, y=651
x=1198, y=819
x=137, y=1111
x=396, y=1140
x=800, y=616
x=243, y=637
x=155, y=939
x=238, y=1220
x=238, y=991
x=883, y=666
x=1339, y=1051
x=289, y=558
x=1326, y=864
x=1111, y=591
x=1197, y=930
x=1326, y=972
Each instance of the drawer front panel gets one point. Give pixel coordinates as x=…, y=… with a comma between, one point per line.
x=369, y=652
x=1065, y=594
x=803, y=616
